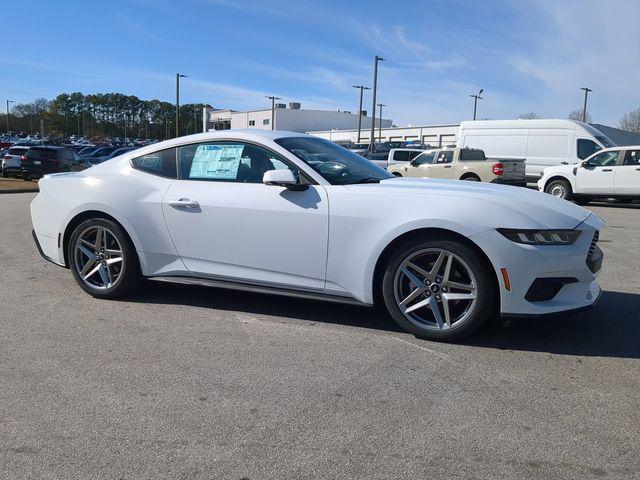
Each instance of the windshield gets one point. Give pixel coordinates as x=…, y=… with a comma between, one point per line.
x=336, y=164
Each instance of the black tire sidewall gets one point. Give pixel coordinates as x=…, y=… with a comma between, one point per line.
x=484, y=275
x=130, y=275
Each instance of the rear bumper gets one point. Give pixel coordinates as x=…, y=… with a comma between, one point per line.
x=39, y=247
x=520, y=182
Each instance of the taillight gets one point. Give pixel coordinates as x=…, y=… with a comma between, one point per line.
x=498, y=169
x=23, y=159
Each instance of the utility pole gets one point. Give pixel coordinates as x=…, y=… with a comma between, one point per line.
x=372, y=145
x=8, y=102
x=476, y=97
x=362, y=88
x=273, y=110
x=584, y=109
x=178, y=77
x=380, y=123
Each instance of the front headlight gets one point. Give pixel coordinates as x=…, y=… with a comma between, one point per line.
x=541, y=237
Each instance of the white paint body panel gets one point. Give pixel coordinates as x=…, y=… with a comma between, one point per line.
x=326, y=239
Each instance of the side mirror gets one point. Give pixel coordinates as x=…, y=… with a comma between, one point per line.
x=587, y=164
x=283, y=178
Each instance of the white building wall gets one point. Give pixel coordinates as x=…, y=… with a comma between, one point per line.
x=436, y=135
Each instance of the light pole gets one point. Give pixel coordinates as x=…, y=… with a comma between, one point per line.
x=584, y=109
x=380, y=123
x=273, y=109
x=8, y=102
x=476, y=97
x=372, y=145
x=362, y=88
x=178, y=77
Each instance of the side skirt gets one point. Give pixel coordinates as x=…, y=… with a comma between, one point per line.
x=268, y=289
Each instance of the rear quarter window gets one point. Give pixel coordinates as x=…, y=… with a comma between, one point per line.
x=162, y=163
x=471, y=155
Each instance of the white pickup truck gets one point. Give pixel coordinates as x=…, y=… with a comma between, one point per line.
x=609, y=173
x=462, y=164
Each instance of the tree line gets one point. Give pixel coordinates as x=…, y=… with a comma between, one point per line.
x=104, y=115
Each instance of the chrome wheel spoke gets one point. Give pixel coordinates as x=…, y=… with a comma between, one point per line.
x=412, y=296
x=91, y=273
x=421, y=271
x=459, y=296
x=459, y=286
x=90, y=255
x=113, y=260
x=418, y=305
x=104, y=275
x=415, y=280
x=435, y=309
x=438, y=265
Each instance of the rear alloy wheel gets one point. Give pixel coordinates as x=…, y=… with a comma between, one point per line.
x=102, y=259
x=559, y=189
x=438, y=289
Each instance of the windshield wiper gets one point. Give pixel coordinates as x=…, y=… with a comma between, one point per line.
x=367, y=180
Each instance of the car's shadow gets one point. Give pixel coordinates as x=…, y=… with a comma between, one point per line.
x=597, y=203
x=610, y=329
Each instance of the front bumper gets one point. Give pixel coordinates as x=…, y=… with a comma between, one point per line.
x=525, y=264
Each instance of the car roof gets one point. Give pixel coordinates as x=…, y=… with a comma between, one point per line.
x=621, y=147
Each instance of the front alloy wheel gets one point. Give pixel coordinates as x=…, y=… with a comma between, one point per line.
x=438, y=290
x=102, y=259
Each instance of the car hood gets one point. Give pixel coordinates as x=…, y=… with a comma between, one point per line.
x=499, y=205
x=566, y=169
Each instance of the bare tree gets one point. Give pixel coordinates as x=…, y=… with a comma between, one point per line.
x=631, y=121
x=529, y=116
x=577, y=115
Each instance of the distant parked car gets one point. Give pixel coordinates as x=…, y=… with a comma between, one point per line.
x=98, y=153
x=609, y=173
x=115, y=153
x=11, y=161
x=38, y=161
x=462, y=164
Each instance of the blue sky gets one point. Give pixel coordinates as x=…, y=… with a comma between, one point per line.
x=528, y=55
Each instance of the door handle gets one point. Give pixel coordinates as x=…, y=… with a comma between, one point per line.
x=638, y=169
x=607, y=169
x=447, y=166
x=184, y=203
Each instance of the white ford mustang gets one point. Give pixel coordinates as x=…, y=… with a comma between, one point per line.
x=287, y=213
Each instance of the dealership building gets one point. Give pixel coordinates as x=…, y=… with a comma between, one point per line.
x=436, y=135
x=292, y=118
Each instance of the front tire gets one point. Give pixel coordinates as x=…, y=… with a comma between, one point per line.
x=438, y=289
x=103, y=260
x=559, y=188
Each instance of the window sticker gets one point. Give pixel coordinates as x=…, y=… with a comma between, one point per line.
x=219, y=162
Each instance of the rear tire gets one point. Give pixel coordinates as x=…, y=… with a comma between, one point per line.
x=26, y=177
x=460, y=286
x=106, y=268
x=559, y=188
x=396, y=174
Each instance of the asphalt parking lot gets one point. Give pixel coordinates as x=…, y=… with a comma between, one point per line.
x=187, y=382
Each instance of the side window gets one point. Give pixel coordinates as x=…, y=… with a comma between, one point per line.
x=445, y=157
x=605, y=159
x=424, y=158
x=265, y=121
x=227, y=162
x=632, y=157
x=587, y=148
x=162, y=163
x=252, y=123
x=402, y=155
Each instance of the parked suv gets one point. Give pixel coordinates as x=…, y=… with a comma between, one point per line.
x=38, y=161
x=11, y=161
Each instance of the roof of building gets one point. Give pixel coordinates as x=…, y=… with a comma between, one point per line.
x=617, y=135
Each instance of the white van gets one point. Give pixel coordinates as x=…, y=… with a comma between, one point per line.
x=542, y=143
